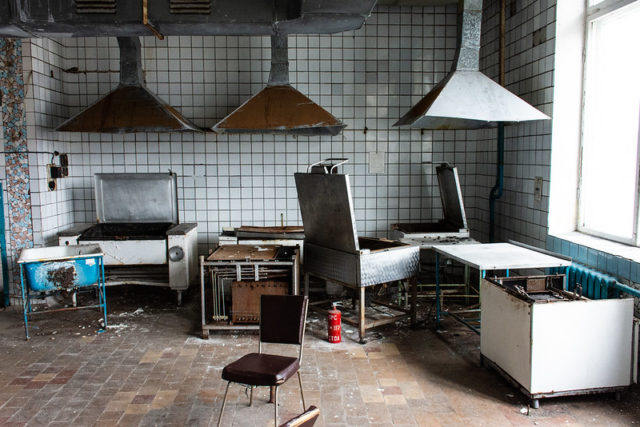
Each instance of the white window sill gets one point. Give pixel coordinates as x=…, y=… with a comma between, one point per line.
x=608, y=246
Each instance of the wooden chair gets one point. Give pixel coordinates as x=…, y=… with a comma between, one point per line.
x=282, y=321
x=307, y=419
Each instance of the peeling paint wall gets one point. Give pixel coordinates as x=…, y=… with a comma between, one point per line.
x=16, y=170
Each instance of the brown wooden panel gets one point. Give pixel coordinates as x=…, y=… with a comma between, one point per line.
x=245, y=299
x=244, y=252
x=283, y=229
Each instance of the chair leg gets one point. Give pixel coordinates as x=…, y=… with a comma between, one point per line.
x=250, y=395
x=275, y=401
x=224, y=401
x=304, y=407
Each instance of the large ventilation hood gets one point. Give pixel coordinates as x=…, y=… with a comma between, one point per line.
x=130, y=107
x=466, y=98
x=279, y=108
x=95, y=18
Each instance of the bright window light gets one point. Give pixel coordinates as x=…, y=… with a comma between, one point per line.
x=609, y=173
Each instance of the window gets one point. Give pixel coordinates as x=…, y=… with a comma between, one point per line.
x=608, y=187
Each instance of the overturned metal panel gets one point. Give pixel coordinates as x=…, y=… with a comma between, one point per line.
x=279, y=108
x=327, y=211
x=130, y=107
x=451, y=196
x=466, y=98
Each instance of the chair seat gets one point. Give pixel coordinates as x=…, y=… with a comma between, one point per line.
x=261, y=369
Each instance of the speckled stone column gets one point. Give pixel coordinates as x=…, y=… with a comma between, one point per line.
x=14, y=126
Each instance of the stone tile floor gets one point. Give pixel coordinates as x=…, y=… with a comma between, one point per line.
x=151, y=368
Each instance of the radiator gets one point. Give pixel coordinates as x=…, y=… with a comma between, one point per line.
x=595, y=285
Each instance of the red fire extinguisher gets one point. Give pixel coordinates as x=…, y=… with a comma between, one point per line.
x=335, y=319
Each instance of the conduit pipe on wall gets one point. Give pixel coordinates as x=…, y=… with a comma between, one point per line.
x=496, y=191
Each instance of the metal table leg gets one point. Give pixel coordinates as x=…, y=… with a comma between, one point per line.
x=467, y=283
x=413, y=282
x=362, y=325
x=306, y=284
x=25, y=303
x=103, y=286
x=437, y=290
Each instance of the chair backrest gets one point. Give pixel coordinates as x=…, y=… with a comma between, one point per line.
x=306, y=419
x=282, y=318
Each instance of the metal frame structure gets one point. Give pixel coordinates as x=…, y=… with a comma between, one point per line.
x=492, y=257
x=239, y=270
x=101, y=289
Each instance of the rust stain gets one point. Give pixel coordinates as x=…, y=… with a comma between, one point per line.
x=63, y=277
x=278, y=107
x=281, y=229
x=127, y=109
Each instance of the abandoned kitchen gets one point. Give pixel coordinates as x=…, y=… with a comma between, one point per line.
x=296, y=213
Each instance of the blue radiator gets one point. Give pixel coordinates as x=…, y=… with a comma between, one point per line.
x=595, y=285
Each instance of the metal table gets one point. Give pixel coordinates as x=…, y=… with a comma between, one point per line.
x=494, y=256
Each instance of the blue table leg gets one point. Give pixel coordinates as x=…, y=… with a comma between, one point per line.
x=104, y=291
x=437, y=290
x=25, y=303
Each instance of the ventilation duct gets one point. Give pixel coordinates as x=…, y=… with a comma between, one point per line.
x=130, y=107
x=120, y=18
x=279, y=108
x=466, y=98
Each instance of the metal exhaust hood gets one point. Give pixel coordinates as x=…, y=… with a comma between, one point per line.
x=130, y=107
x=466, y=98
x=279, y=108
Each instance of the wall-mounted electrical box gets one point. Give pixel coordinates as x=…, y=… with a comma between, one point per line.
x=54, y=171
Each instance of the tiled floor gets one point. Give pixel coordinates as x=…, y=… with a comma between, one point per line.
x=151, y=368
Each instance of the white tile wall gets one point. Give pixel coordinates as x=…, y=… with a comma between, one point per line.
x=529, y=74
x=45, y=107
x=368, y=78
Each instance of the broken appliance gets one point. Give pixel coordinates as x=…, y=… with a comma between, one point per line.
x=139, y=231
x=61, y=271
x=452, y=228
x=333, y=250
x=550, y=342
x=286, y=235
x=238, y=275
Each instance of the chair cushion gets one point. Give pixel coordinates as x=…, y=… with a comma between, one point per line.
x=261, y=369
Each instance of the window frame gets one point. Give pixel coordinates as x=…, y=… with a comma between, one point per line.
x=593, y=13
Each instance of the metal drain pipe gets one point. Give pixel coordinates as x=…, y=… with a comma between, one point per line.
x=496, y=191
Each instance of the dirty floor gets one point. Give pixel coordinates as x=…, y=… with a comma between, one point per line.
x=150, y=367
